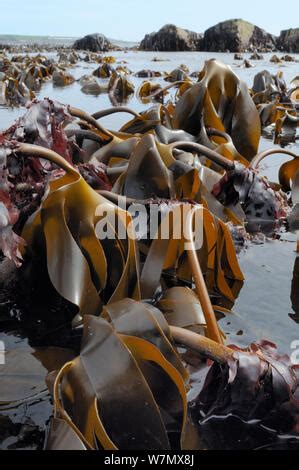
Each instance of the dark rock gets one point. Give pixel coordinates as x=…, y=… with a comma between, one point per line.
x=289, y=40
x=237, y=36
x=176, y=75
x=288, y=58
x=159, y=59
x=93, y=43
x=145, y=74
x=247, y=64
x=256, y=56
x=275, y=59
x=90, y=86
x=238, y=56
x=172, y=38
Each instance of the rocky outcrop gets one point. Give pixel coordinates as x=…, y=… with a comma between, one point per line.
x=256, y=56
x=171, y=38
x=93, y=43
x=275, y=59
x=288, y=58
x=237, y=36
x=289, y=40
x=238, y=56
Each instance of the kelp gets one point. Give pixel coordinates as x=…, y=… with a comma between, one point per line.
x=147, y=89
x=145, y=363
x=266, y=86
x=70, y=196
x=277, y=105
x=181, y=307
x=138, y=333
x=171, y=179
x=24, y=76
x=25, y=179
x=14, y=93
x=119, y=88
x=255, y=389
x=108, y=59
x=176, y=75
x=68, y=58
x=104, y=71
x=286, y=127
x=146, y=301
x=220, y=100
x=287, y=171
x=81, y=273
x=256, y=392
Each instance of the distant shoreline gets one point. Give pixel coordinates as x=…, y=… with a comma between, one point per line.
x=234, y=35
x=52, y=41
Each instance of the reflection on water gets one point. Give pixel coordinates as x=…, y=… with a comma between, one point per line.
x=137, y=61
x=265, y=300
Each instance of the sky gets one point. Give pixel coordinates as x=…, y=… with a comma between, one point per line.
x=132, y=19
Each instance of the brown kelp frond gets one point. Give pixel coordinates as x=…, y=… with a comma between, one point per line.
x=255, y=387
x=75, y=112
x=47, y=154
x=277, y=106
x=119, y=88
x=220, y=100
x=287, y=171
x=66, y=221
x=146, y=121
x=210, y=154
x=23, y=76
x=144, y=366
x=27, y=169
x=118, y=109
x=206, y=347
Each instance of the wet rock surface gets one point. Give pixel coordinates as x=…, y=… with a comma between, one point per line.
x=289, y=40
x=93, y=42
x=237, y=36
x=172, y=38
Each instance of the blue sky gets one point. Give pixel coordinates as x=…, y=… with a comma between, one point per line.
x=131, y=19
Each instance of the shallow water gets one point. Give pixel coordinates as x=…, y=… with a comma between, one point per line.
x=264, y=307
x=137, y=61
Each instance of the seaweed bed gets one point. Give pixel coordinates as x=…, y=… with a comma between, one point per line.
x=97, y=328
